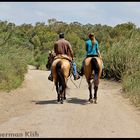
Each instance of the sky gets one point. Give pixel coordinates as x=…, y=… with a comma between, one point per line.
x=104, y=13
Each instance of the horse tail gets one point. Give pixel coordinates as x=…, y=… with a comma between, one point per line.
x=60, y=76
x=95, y=65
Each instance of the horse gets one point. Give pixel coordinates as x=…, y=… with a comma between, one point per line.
x=50, y=59
x=93, y=64
x=61, y=71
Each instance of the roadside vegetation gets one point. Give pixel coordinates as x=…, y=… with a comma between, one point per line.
x=27, y=44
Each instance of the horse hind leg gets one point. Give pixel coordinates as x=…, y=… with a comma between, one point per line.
x=62, y=98
x=58, y=92
x=65, y=90
x=90, y=91
x=96, y=83
x=65, y=95
x=95, y=94
x=61, y=94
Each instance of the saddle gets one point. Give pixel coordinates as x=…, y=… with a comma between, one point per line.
x=63, y=56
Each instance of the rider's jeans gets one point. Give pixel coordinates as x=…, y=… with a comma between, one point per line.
x=74, y=68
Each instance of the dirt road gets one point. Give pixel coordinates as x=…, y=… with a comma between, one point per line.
x=32, y=111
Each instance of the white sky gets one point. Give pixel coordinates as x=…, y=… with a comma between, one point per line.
x=109, y=13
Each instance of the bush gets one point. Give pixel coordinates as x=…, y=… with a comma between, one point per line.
x=13, y=66
x=132, y=88
x=123, y=63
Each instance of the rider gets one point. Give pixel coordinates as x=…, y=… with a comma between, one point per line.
x=92, y=49
x=63, y=47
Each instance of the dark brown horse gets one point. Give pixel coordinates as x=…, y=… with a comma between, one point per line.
x=50, y=59
x=93, y=64
x=61, y=71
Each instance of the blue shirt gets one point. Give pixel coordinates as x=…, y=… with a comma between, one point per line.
x=92, y=49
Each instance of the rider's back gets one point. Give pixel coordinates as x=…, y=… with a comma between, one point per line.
x=62, y=46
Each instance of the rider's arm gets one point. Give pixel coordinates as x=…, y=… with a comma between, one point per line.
x=71, y=51
x=87, y=48
x=97, y=47
x=55, y=48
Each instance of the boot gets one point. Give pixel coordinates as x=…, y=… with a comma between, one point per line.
x=76, y=77
x=103, y=74
x=50, y=77
x=81, y=72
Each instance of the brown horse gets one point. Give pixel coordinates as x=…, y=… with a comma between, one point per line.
x=61, y=71
x=50, y=59
x=93, y=64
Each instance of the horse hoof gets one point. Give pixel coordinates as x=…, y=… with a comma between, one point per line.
x=61, y=102
x=95, y=102
x=91, y=101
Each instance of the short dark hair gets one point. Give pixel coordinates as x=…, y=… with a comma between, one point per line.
x=61, y=35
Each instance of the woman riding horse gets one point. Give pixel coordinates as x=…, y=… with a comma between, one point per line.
x=92, y=62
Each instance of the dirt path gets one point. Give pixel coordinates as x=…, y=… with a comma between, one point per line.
x=32, y=111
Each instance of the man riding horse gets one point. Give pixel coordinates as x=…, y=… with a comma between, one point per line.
x=62, y=48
